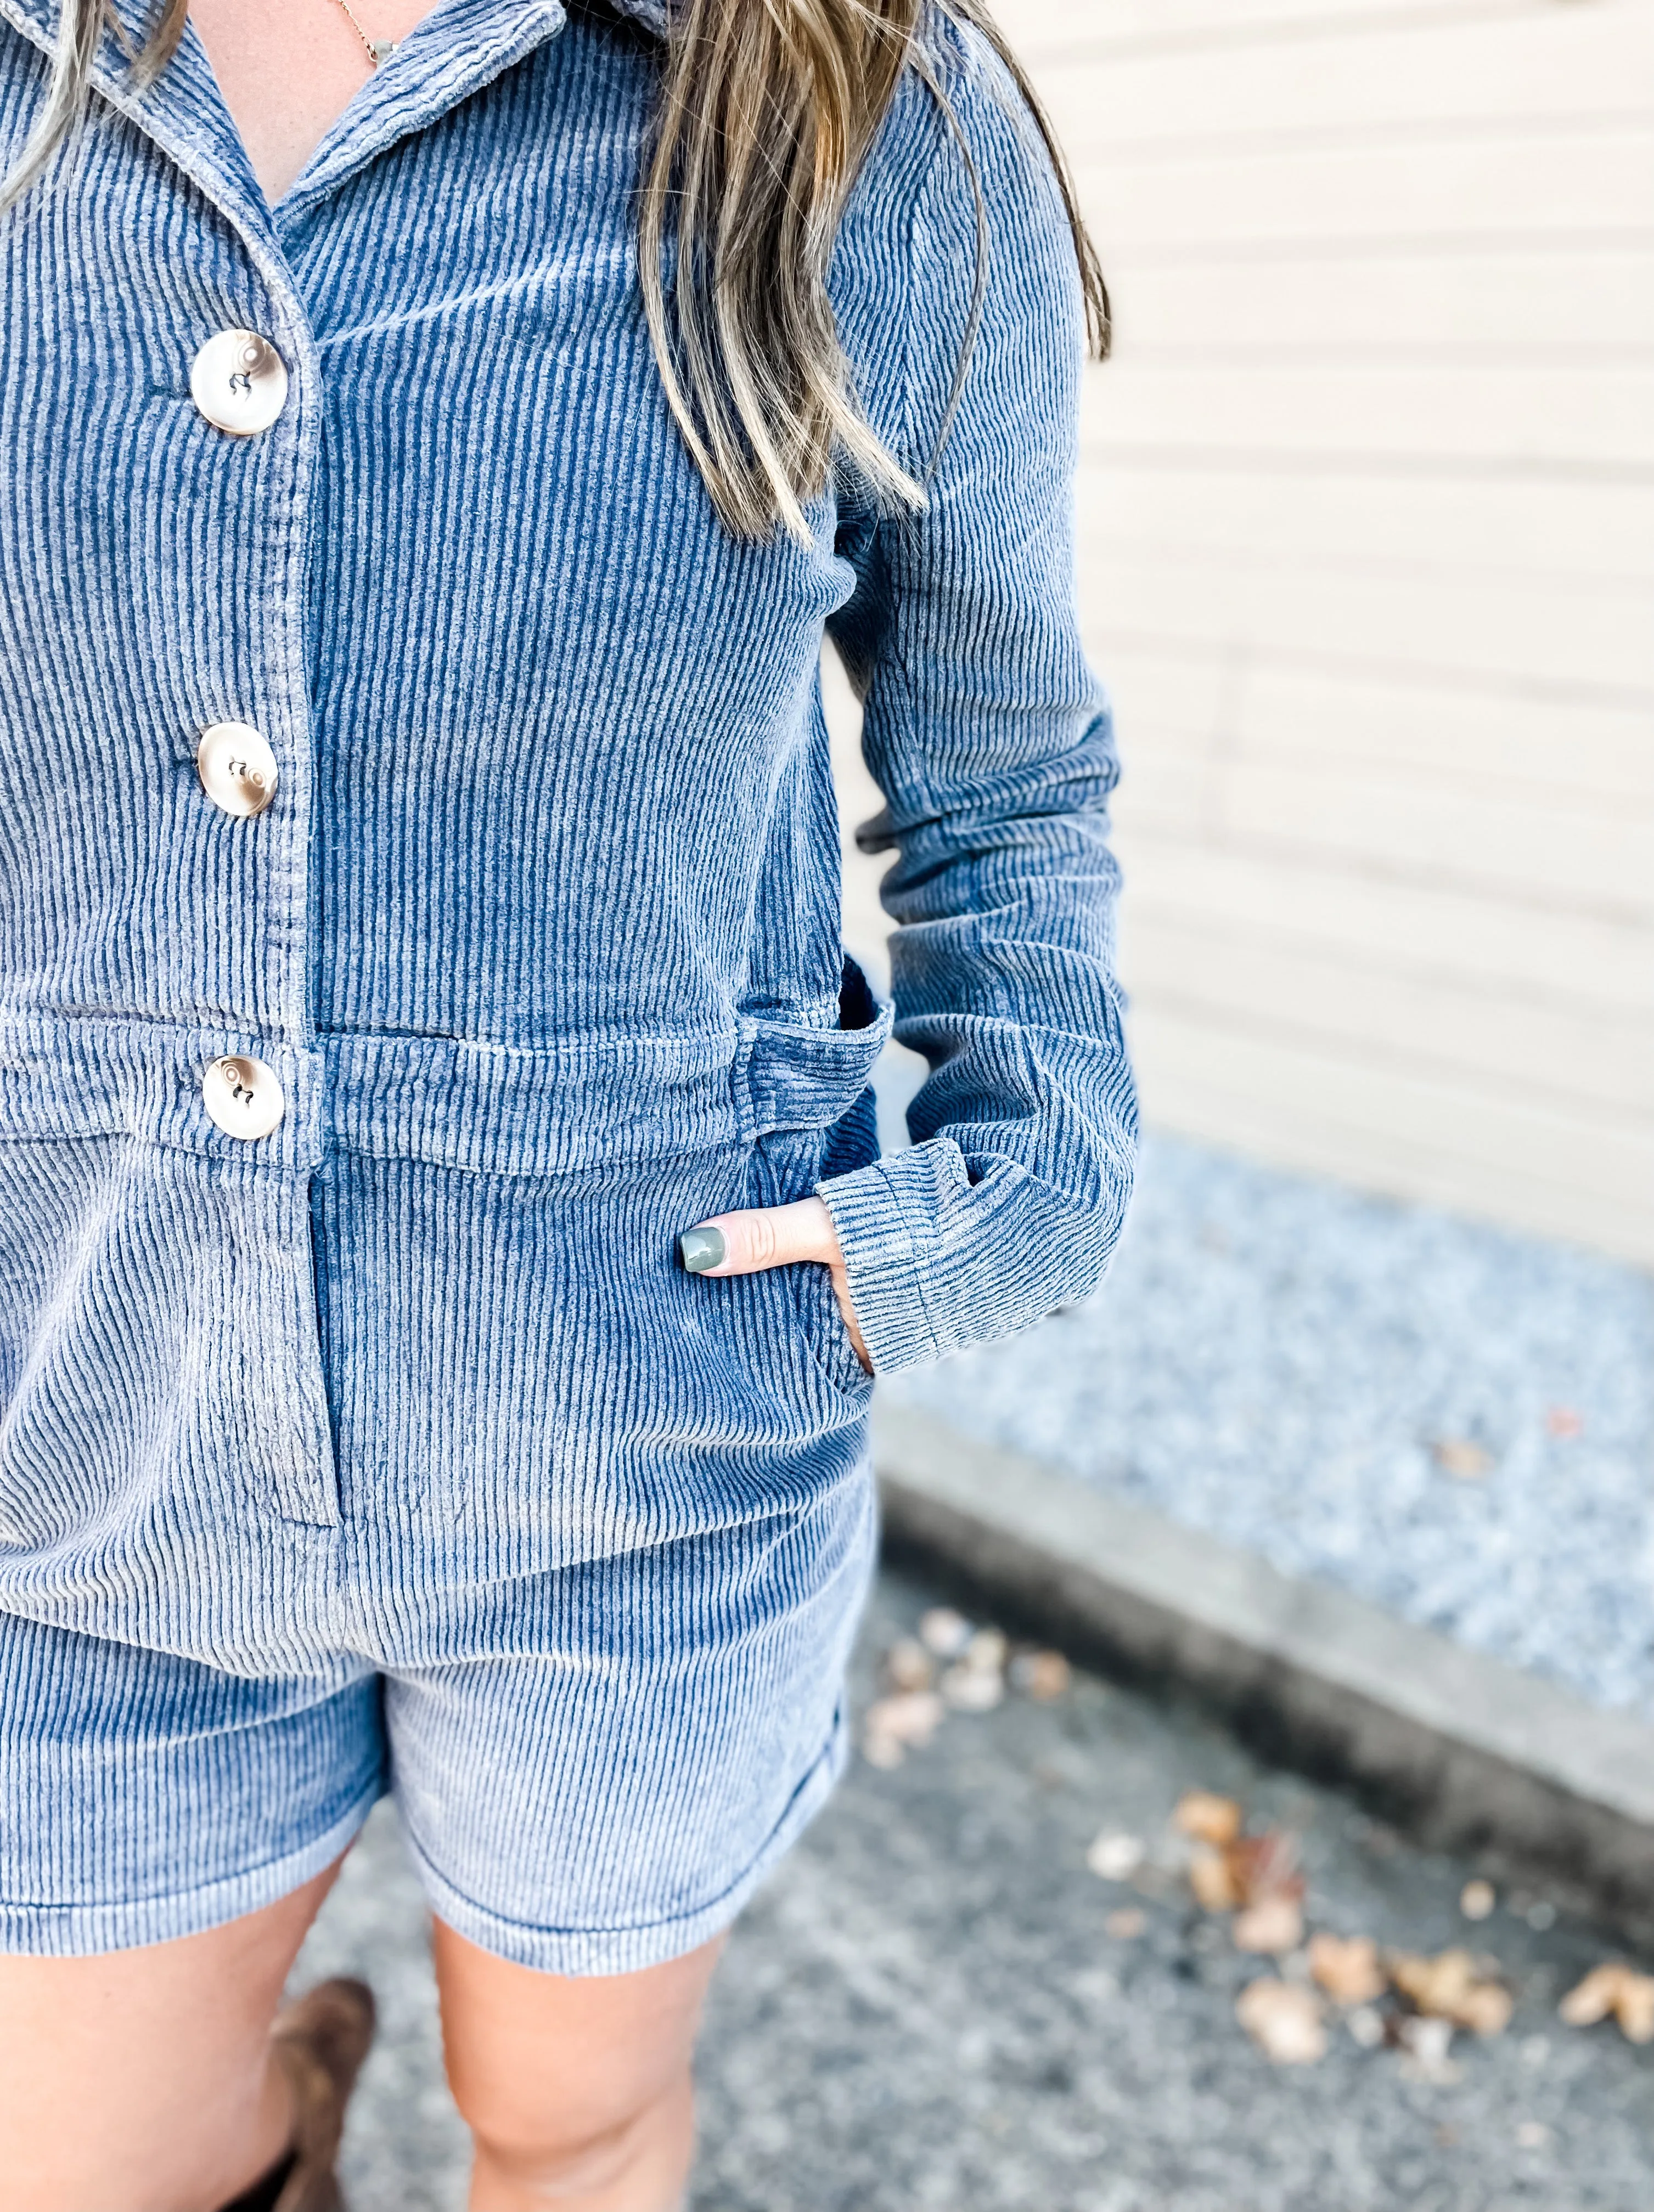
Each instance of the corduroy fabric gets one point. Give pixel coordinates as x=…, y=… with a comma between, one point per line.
x=541, y=932
x=594, y=1768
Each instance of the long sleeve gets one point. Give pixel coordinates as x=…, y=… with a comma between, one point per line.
x=991, y=742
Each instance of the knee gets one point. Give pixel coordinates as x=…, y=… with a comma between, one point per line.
x=546, y=2150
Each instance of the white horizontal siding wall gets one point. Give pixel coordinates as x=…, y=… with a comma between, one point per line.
x=1367, y=544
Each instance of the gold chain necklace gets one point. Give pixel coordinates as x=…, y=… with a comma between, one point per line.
x=378, y=49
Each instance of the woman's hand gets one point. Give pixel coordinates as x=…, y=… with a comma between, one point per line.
x=773, y=1236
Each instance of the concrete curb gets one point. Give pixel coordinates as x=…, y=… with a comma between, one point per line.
x=1470, y=1753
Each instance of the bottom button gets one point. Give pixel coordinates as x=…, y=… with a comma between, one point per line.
x=243, y=1096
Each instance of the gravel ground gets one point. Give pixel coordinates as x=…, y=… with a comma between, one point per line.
x=1455, y=1422
x=927, y=2008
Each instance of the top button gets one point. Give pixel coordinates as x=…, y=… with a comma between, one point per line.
x=239, y=381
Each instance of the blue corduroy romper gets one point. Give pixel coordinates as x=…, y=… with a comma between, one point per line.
x=418, y=903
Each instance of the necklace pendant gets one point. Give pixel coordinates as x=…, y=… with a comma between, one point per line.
x=381, y=49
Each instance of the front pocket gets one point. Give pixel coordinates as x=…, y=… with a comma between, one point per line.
x=157, y=1352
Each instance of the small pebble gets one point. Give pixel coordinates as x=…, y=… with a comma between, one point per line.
x=945, y=1632
x=1541, y=1916
x=1367, y=2025
x=1115, y=1855
x=1428, y=2039
x=1273, y=1925
x=908, y=1666
x=1536, y=2050
x=1042, y=1675
x=1477, y=1899
x=1127, y=1924
x=912, y=1716
x=987, y=1651
x=970, y=1689
x=1465, y=1460
x=1283, y=2021
x=1532, y=2135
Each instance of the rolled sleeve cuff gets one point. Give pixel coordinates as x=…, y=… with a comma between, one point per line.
x=936, y=1263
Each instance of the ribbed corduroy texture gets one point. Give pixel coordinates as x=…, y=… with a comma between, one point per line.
x=541, y=933
x=594, y=1768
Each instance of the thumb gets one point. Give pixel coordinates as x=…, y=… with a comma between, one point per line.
x=760, y=1237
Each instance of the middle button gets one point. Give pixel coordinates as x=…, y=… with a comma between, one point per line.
x=236, y=768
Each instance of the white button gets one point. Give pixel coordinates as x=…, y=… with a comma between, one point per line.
x=243, y=1096
x=239, y=381
x=236, y=768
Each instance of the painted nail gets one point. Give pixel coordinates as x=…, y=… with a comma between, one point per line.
x=701, y=1249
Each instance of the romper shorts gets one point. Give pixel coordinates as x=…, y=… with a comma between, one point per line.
x=597, y=1785
x=595, y=1760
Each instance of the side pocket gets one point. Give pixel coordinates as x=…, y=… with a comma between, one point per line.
x=822, y=1326
x=786, y=1165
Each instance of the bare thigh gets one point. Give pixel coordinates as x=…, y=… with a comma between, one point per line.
x=576, y=2089
x=138, y=2080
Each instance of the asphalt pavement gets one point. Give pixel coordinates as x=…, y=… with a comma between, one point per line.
x=936, y=2005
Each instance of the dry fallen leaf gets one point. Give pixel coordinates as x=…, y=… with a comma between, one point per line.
x=1283, y=2021
x=1594, y=1999
x=1214, y=1886
x=945, y=1632
x=1265, y=1866
x=1465, y=1460
x=908, y=1666
x=1449, y=1987
x=1115, y=1855
x=1274, y=1924
x=1347, y=1968
x=1614, y=1987
x=1477, y=1899
x=1043, y=1676
x=1209, y=1819
x=1635, y=2010
x=1126, y=1925
x=1247, y=1871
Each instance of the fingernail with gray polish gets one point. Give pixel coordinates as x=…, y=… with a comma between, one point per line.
x=701, y=1249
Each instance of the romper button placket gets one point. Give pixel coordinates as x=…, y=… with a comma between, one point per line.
x=243, y=1096
x=237, y=768
x=239, y=381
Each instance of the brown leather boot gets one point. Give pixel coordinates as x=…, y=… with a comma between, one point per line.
x=320, y=2043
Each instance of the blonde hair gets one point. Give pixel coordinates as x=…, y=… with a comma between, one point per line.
x=767, y=111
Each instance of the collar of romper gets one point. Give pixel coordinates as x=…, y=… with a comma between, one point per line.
x=450, y=54
x=651, y=14
x=38, y=18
